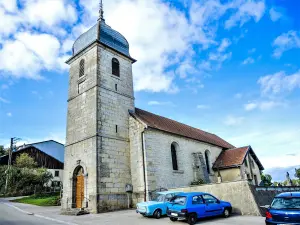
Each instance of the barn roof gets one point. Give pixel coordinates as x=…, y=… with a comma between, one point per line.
x=174, y=127
x=52, y=148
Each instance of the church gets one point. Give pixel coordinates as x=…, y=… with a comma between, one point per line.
x=116, y=154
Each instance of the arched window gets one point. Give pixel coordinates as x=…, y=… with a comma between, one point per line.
x=81, y=68
x=115, y=65
x=174, y=157
x=207, y=161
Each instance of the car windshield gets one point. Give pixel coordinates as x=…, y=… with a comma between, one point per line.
x=158, y=198
x=179, y=200
x=286, y=203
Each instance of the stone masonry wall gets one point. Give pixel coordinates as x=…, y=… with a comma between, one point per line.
x=115, y=99
x=80, y=149
x=238, y=193
x=159, y=168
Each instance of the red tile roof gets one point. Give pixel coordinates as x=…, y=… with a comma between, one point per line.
x=235, y=157
x=174, y=127
x=231, y=157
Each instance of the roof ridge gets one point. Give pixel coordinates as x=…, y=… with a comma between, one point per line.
x=43, y=142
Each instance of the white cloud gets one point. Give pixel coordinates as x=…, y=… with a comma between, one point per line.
x=4, y=100
x=8, y=23
x=49, y=12
x=250, y=106
x=9, y=5
x=28, y=51
x=275, y=15
x=279, y=82
x=159, y=103
x=233, y=120
x=285, y=42
x=263, y=105
x=203, y=106
x=249, y=60
x=224, y=45
x=246, y=11
x=9, y=114
x=238, y=95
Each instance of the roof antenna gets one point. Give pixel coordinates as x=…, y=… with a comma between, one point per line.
x=101, y=12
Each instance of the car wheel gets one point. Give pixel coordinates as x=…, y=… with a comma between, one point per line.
x=192, y=219
x=157, y=214
x=173, y=219
x=226, y=213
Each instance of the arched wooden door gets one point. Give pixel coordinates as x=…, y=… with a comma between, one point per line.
x=79, y=189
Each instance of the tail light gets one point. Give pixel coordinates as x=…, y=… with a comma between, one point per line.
x=268, y=215
x=184, y=211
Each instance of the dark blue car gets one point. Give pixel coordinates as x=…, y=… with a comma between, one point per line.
x=285, y=209
x=196, y=205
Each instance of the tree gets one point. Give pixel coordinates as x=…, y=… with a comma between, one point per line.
x=25, y=161
x=2, y=151
x=297, y=174
x=266, y=179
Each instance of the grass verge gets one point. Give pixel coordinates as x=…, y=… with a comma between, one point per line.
x=40, y=200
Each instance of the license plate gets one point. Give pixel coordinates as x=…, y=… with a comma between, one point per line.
x=174, y=214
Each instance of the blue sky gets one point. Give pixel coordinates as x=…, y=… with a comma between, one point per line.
x=227, y=67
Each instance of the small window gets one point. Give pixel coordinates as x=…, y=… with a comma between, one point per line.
x=168, y=197
x=174, y=157
x=207, y=161
x=209, y=199
x=197, y=200
x=116, y=128
x=115, y=67
x=56, y=174
x=246, y=163
x=116, y=87
x=81, y=68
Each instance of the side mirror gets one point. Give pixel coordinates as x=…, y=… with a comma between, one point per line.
x=218, y=201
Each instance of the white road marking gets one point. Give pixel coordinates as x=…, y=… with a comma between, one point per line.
x=40, y=216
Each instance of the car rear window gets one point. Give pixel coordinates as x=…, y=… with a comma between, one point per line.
x=286, y=203
x=179, y=200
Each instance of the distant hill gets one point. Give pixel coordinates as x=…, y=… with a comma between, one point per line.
x=279, y=173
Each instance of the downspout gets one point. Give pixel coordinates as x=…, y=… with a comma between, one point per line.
x=144, y=165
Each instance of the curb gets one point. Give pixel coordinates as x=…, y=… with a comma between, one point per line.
x=39, y=216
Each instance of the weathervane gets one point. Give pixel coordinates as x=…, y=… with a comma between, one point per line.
x=101, y=12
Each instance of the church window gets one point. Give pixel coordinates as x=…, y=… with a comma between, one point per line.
x=246, y=163
x=116, y=128
x=116, y=87
x=174, y=157
x=81, y=68
x=115, y=67
x=207, y=161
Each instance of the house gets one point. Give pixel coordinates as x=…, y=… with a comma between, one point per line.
x=47, y=154
x=115, y=153
x=239, y=164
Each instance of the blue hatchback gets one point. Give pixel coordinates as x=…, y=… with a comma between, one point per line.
x=195, y=205
x=285, y=209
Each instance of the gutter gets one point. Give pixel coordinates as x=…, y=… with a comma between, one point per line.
x=144, y=165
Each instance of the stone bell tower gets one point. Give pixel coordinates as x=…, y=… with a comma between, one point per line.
x=97, y=160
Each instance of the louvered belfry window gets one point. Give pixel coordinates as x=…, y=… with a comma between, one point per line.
x=115, y=67
x=81, y=68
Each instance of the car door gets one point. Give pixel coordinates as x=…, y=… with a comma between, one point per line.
x=197, y=206
x=212, y=205
x=168, y=198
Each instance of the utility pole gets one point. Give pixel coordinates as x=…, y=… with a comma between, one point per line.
x=12, y=142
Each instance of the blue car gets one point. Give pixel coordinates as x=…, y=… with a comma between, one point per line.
x=285, y=209
x=158, y=206
x=196, y=205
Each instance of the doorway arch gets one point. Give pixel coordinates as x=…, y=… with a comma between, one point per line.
x=78, y=187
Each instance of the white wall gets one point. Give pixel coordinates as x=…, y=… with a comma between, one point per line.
x=159, y=161
x=255, y=170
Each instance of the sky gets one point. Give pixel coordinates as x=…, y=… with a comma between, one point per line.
x=227, y=67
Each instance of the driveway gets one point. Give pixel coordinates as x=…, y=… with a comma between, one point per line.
x=16, y=213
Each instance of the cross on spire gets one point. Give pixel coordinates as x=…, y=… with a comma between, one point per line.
x=101, y=12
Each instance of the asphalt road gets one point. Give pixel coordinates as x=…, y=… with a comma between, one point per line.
x=51, y=216
x=11, y=216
